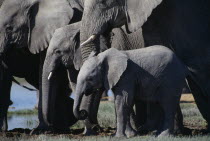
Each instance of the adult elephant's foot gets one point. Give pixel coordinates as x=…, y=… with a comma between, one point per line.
x=183, y=131
x=40, y=129
x=94, y=130
x=3, y=124
x=208, y=129
x=119, y=135
x=53, y=130
x=142, y=130
x=49, y=130
x=130, y=133
x=179, y=131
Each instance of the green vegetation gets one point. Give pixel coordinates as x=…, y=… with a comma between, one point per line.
x=106, y=116
x=192, y=116
x=23, y=112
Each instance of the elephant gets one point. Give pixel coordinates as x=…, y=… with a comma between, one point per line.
x=14, y=64
x=64, y=51
x=152, y=74
x=176, y=24
x=30, y=24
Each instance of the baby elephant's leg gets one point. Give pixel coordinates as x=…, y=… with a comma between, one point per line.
x=130, y=132
x=121, y=116
x=126, y=99
x=178, y=121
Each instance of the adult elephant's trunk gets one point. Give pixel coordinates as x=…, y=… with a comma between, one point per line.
x=57, y=106
x=49, y=93
x=3, y=45
x=89, y=40
x=88, y=46
x=79, y=114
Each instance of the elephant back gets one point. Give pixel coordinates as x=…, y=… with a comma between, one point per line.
x=1, y=1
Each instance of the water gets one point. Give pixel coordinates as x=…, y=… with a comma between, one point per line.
x=22, y=99
x=19, y=121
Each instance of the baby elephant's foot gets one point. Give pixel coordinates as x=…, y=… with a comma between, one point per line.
x=130, y=133
x=164, y=133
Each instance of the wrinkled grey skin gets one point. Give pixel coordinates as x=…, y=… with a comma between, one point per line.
x=64, y=51
x=177, y=24
x=30, y=24
x=153, y=74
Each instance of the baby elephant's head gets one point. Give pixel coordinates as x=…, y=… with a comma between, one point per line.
x=91, y=75
x=98, y=73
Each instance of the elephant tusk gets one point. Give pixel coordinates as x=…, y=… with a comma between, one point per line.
x=92, y=38
x=50, y=75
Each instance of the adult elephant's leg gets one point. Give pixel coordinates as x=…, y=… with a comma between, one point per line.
x=5, y=87
x=37, y=100
x=91, y=104
x=41, y=125
x=153, y=115
x=200, y=91
x=178, y=122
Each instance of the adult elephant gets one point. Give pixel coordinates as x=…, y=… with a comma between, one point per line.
x=180, y=25
x=30, y=24
x=20, y=63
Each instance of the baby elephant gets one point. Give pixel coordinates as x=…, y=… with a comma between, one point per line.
x=152, y=74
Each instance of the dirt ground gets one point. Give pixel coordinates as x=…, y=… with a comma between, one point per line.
x=187, y=98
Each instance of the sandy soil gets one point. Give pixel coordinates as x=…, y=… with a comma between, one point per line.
x=187, y=98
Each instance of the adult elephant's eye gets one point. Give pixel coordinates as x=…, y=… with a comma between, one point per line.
x=89, y=79
x=9, y=29
x=58, y=52
x=102, y=3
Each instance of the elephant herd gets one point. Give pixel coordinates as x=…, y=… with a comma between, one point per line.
x=143, y=50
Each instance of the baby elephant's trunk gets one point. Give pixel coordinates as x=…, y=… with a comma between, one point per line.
x=80, y=115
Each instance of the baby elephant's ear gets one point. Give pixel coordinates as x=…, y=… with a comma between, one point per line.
x=115, y=64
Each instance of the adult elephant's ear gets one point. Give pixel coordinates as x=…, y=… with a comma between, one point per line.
x=114, y=63
x=45, y=18
x=137, y=12
x=77, y=59
x=77, y=4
